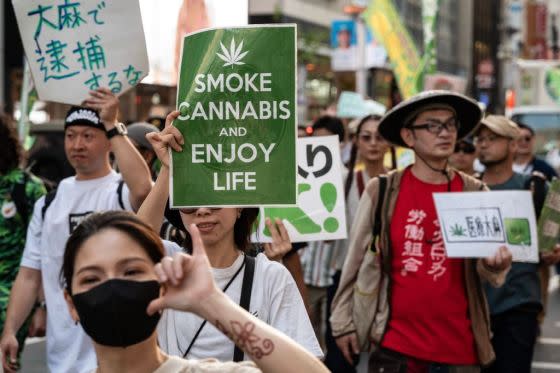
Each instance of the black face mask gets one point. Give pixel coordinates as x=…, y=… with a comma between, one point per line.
x=114, y=313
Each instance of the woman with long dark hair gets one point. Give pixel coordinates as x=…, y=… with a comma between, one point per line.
x=368, y=151
x=271, y=294
x=117, y=296
x=366, y=161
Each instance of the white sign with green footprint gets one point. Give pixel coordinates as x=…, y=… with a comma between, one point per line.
x=320, y=213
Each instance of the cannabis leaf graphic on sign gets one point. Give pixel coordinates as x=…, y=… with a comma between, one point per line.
x=233, y=56
x=458, y=231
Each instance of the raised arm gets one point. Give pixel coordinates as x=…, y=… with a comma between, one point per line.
x=153, y=207
x=189, y=286
x=134, y=170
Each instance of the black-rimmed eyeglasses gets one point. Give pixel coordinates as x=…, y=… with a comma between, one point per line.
x=435, y=126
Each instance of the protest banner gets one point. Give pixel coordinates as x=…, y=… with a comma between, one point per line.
x=237, y=99
x=430, y=10
x=320, y=212
x=549, y=221
x=75, y=47
x=476, y=224
x=345, y=51
x=386, y=23
x=353, y=105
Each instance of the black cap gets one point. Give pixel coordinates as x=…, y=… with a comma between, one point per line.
x=83, y=116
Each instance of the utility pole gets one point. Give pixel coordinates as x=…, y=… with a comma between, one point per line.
x=361, y=71
x=355, y=11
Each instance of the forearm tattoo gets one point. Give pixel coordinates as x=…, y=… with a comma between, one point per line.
x=245, y=338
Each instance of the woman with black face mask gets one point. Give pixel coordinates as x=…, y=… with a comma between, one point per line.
x=115, y=290
x=263, y=287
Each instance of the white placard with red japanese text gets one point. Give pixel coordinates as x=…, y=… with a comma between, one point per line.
x=76, y=46
x=476, y=224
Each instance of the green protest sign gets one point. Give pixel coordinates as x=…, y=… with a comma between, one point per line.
x=549, y=220
x=236, y=96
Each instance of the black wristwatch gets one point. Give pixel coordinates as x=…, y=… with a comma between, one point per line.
x=120, y=129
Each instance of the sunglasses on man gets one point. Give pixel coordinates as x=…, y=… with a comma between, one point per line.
x=190, y=211
x=465, y=148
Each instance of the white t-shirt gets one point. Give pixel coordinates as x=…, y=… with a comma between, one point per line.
x=523, y=168
x=69, y=349
x=275, y=299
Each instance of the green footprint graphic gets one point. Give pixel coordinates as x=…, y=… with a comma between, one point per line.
x=299, y=219
x=294, y=215
x=328, y=197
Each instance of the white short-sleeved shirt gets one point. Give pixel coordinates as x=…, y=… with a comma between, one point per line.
x=275, y=299
x=174, y=364
x=69, y=349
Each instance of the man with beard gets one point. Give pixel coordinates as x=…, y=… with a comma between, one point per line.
x=515, y=306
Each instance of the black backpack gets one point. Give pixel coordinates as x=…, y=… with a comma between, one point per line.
x=537, y=184
x=20, y=199
x=376, y=229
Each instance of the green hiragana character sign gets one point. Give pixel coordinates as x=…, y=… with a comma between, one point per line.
x=114, y=84
x=95, y=12
x=73, y=46
x=93, y=82
x=132, y=74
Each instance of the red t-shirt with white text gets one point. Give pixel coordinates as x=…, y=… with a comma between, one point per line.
x=429, y=310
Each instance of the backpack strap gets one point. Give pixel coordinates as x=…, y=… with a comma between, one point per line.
x=377, y=223
x=360, y=183
x=119, y=193
x=245, y=262
x=537, y=185
x=19, y=198
x=48, y=200
x=245, y=300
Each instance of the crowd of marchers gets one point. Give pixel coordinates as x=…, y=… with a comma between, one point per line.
x=120, y=282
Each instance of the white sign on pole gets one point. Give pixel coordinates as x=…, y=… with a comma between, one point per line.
x=75, y=47
x=353, y=105
x=320, y=213
x=476, y=224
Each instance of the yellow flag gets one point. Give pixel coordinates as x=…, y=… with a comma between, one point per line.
x=385, y=22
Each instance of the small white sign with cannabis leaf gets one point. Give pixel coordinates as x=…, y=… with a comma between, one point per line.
x=233, y=56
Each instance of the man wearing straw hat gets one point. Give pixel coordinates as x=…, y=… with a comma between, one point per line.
x=400, y=296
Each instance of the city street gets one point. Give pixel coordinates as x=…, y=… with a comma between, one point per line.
x=547, y=353
x=546, y=360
